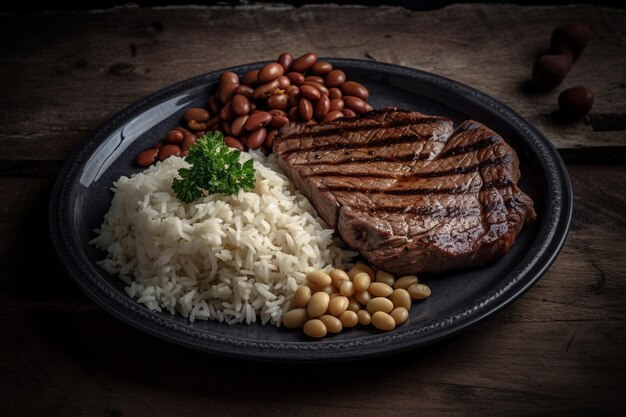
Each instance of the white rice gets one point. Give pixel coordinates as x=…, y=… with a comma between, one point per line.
x=235, y=259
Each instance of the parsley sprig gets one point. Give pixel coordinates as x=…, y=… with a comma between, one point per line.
x=215, y=169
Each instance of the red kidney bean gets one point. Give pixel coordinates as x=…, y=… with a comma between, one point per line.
x=232, y=142
x=292, y=89
x=269, y=139
x=294, y=99
x=283, y=82
x=314, y=78
x=321, y=68
x=265, y=90
x=336, y=104
x=157, y=145
x=227, y=92
x=310, y=92
x=285, y=60
x=323, y=90
x=168, y=150
x=321, y=107
x=244, y=90
x=226, y=127
x=199, y=133
x=228, y=77
x=251, y=78
x=304, y=62
x=296, y=78
x=335, y=78
x=188, y=140
x=354, y=103
x=348, y=113
x=279, y=120
x=193, y=125
x=277, y=112
x=252, y=107
x=184, y=153
x=256, y=138
x=213, y=122
x=147, y=157
x=270, y=72
x=182, y=129
x=310, y=122
x=236, y=128
x=306, y=109
x=294, y=114
x=241, y=105
x=196, y=113
x=334, y=93
x=258, y=120
x=351, y=88
x=227, y=112
x=214, y=104
x=332, y=115
x=174, y=136
x=278, y=101
x=368, y=107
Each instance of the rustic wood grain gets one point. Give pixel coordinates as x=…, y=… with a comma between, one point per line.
x=559, y=350
x=63, y=74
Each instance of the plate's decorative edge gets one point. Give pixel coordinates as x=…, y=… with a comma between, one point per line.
x=558, y=213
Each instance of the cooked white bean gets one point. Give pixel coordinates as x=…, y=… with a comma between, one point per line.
x=380, y=289
x=332, y=323
x=385, y=277
x=294, y=319
x=401, y=298
x=383, y=321
x=319, y=279
x=379, y=304
x=318, y=304
x=315, y=328
x=419, y=291
x=399, y=314
x=302, y=296
x=405, y=282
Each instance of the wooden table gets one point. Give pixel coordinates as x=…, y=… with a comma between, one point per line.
x=559, y=350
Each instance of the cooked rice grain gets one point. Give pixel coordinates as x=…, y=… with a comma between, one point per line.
x=234, y=259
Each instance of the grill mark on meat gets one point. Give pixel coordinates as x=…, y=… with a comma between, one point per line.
x=500, y=183
x=412, y=137
x=435, y=174
x=460, y=150
x=412, y=157
x=453, y=211
x=469, y=148
x=335, y=131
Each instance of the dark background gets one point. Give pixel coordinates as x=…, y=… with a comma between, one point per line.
x=36, y=6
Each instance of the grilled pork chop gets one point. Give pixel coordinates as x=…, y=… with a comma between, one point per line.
x=408, y=191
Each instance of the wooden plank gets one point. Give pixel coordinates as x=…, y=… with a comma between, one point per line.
x=556, y=351
x=63, y=74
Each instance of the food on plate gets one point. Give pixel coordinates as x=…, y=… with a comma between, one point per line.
x=321, y=306
x=214, y=169
x=408, y=191
x=235, y=258
x=250, y=108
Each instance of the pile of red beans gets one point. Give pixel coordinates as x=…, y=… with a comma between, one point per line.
x=250, y=110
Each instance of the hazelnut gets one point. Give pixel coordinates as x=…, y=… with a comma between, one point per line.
x=570, y=39
x=550, y=70
x=575, y=102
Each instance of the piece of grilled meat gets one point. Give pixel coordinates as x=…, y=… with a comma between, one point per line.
x=408, y=191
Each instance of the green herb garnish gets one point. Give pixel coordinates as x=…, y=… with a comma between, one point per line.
x=215, y=169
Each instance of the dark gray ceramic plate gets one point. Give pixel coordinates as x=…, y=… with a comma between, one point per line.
x=460, y=299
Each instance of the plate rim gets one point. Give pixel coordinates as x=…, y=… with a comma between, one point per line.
x=556, y=221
